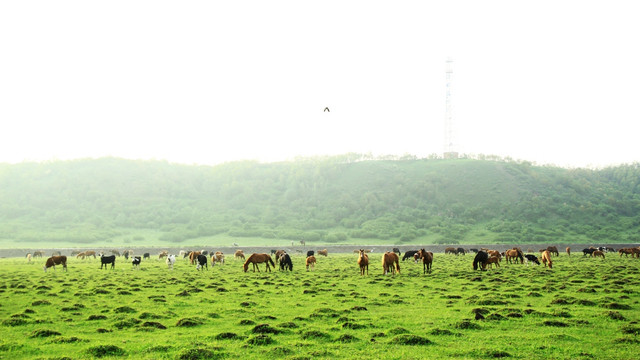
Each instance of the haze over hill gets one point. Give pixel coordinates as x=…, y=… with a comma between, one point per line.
x=332, y=200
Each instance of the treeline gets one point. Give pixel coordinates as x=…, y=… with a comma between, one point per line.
x=329, y=199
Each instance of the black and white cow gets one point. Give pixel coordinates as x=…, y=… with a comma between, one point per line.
x=104, y=260
x=532, y=258
x=136, y=260
x=202, y=262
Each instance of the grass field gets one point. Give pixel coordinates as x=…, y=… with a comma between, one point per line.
x=583, y=308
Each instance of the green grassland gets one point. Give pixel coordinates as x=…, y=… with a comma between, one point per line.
x=583, y=308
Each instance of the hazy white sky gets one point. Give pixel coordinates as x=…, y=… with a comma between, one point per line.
x=555, y=82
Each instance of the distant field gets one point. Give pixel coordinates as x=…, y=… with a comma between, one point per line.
x=583, y=308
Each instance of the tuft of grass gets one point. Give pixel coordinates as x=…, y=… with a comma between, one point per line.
x=43, y=333
x=190, y=322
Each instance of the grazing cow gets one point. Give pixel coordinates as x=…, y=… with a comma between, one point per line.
x=218, y=257
x=38, y=253
x=56, y=260
x=310, y=253
x=239, y=255
x=450, y=250
x=105, y=260
x=29, y=257
x=146, y=256
x=183, y=254
x=409, y=254
x=546, y=259
x=475, y=251
x=115, y=252
x=532, y=258
x=56, y=253
x=171, y=259
x=310, y=262
x=397, y=251
x=568, y=251
x=136, y=260
x=588, y=251
x=90, y=253
x=163, y=254
x=598, y=253
x=285, y=262
x=202, y=262
x=460, y=251
x=323, y=252
x=479, y=262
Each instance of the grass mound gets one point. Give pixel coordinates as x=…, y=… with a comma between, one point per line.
x=347, y=338
x=105, y=350
x=467, y=325
x=226, y=336
x=190, y=322
x=199, y=353
x=154, y=325
x=43, y=333
x=555, y=323
x=124, y=310
x=265, y=329
x=96, y=317
x=408, y=339
x=315, y=335
x=260, y=340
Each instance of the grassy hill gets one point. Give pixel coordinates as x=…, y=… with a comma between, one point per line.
x=342, y=199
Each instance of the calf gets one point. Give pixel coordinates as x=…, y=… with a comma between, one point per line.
x=202, y=262
x=105, y=260
x=136, y=260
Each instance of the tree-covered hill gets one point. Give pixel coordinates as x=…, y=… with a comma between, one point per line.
x=330, y=200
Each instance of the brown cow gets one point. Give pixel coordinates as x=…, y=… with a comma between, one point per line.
x=56, y=260
x=568, y=251
x=310, y=262
x=193, y=256
x=239, y=255
x=323, y=252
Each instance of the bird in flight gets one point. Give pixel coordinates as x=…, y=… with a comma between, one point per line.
x=327, y=109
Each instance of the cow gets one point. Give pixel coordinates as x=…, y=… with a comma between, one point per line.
x=136, y=260
x=38, y=253
x=146, y=256
x=409, y=254
x=56, y=260
x=239, y=255
x=532, y=258
x=553, y=250
x=323, y=252
x=218, y=257
x=397, y=251
x=171, y=259
x=310, y=262
x=29, y=257
x=202, y=262
x=598, y=253
x=460, y=251
x=105, y=260
x=163, y=254
x=310, y=253
x=588, y=251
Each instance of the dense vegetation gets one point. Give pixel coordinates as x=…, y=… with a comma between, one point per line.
x=347, y=198
x=583, y=308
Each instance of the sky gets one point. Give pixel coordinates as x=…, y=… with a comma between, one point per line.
x=207, y=82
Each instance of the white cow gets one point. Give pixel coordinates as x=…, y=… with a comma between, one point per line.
x=171, y=259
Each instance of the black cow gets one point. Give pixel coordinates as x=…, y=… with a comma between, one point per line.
x=397, y=251
x=136, y=260
x=588, y=251
x=285, y=262
x=104, y=260
x=146, y=256
x=409, y=254
x=532, y=258
x=310, y=253
x=480, y=259
x=202, y=262
x=460, y=251
x=473, y=250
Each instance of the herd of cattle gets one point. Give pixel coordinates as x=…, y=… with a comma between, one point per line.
x=484, y=257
